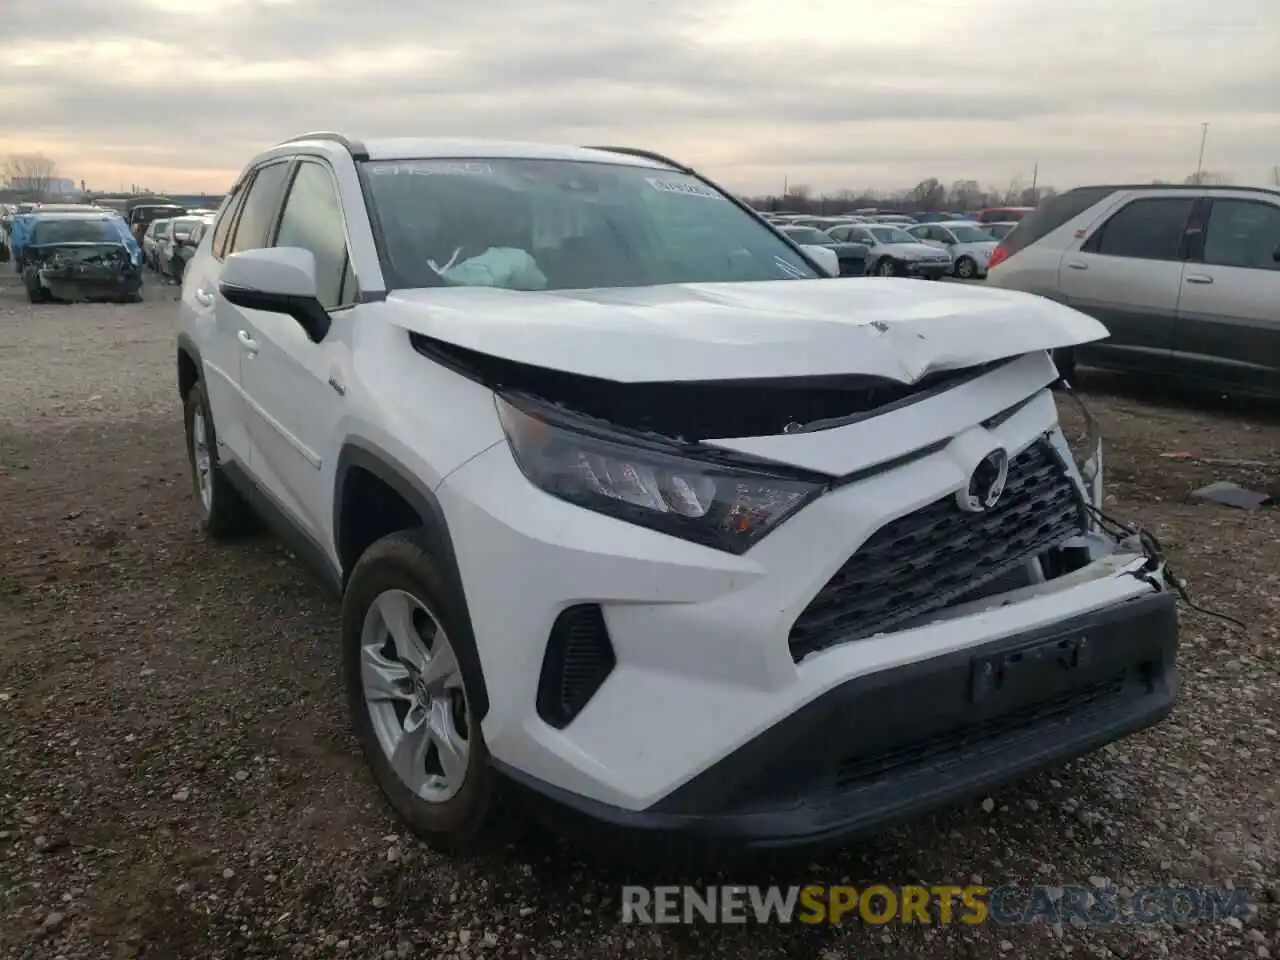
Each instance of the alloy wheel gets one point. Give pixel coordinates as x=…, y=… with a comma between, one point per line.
x=202, y=459
x=414, y=692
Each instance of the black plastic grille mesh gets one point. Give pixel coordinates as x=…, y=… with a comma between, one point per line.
x=939, y=554
x=578, y=660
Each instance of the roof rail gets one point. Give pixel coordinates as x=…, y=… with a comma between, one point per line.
x=644, y=155
x=1210, y=187
x=357, y=149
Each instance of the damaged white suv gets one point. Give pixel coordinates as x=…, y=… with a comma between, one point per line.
x=632, y=509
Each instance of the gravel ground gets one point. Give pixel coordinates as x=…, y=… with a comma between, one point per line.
x=177, y=778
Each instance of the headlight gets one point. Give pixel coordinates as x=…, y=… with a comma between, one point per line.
x=700, y=496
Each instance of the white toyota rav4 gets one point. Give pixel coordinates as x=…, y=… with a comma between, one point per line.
x=631, y=507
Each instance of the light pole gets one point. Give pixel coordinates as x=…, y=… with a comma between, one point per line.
x=1204, y=135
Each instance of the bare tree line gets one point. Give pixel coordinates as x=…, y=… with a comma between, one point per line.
x=31, y=174
x=932, y=194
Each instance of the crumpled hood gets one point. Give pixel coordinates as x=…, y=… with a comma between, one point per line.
x=897, y=329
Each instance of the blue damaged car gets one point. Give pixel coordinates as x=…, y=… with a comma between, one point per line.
x=77, y=256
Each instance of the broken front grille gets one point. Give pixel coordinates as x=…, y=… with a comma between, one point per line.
x=940, y=554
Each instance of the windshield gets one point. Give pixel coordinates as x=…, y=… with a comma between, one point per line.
x=185, y=225
x=563, y=225
x=970, y=234
x=806, y=235
x=73, y=231
x=892, y=235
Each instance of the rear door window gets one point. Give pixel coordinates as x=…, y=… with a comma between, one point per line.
x=222, y=229
x=1243, y=233
x=1049, y=216
x=1152, y=228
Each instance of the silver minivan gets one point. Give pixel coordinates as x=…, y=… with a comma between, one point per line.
x=1185, y=278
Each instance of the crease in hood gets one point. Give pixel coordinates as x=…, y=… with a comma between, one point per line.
x=901, y=330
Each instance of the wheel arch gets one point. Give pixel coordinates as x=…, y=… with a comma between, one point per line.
x=361, y=463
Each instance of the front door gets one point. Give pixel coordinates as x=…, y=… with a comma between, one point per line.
x=295, y=388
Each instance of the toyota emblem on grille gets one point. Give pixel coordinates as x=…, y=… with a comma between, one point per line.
x=986, y=483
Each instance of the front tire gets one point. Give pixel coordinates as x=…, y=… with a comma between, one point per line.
x=966, y=268
x=886, y=268
x=225, y=513
x=408, y=700
x=1064, y=359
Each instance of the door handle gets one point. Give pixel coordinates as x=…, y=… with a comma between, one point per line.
x=1198, y=278
x=250, y=345
x=204, y=298
x=1077, y=265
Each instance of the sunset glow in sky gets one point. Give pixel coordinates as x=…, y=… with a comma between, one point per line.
x=831, y=93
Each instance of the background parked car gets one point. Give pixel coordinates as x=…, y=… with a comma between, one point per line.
x=184, y=247
x=939, y=217
x=141, y=216
x=969, y=245
x=177, y=235
x=853, y=257
x=823, y=223
x=1000, y=230
x=1185, y=278
x=157, y=233
x=21, y=224
x=1003, y=214
x=81, y=257
x=894, y=252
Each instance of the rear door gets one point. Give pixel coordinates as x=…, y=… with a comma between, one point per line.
x=1228, y=326
x=1128, y=274
x=247, y=220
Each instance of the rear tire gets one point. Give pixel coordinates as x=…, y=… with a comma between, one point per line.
x=453, y=806
x=225, y=513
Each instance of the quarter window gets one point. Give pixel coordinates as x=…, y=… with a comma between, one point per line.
x=1243, y=233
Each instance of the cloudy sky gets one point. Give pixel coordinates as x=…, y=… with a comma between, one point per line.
x=178, y=94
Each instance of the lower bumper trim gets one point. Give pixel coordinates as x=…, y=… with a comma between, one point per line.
x=895, y=744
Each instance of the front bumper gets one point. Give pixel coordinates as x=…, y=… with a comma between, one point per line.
x=896, y=743
x=68, y=284
x=930, y=271
x=703, y=640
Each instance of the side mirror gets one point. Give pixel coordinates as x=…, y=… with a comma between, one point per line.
x=276, y=280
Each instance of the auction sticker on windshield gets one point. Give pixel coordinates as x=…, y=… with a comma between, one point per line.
x=684, y=189
x=427, y=168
